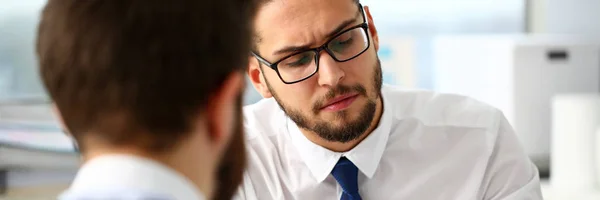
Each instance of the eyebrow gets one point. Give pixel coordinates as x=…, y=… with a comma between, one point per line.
x=339, y=28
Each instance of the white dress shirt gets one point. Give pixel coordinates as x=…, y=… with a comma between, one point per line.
x=426, y=146
x=123, y=177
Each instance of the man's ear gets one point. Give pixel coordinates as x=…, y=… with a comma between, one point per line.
x=221, y=113
x=372, y=29
x=257, y=78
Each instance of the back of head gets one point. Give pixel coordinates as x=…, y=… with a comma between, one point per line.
x=117, y=68
x=141, y=73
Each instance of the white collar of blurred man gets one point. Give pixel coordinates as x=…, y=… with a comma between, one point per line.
x=124, y=87
x=153, y=180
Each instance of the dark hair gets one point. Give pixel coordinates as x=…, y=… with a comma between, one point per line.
x=262, y=2
x=256, y=39
x=140, y=71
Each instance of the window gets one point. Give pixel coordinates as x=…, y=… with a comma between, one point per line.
x=407, y=29
x=18, y=64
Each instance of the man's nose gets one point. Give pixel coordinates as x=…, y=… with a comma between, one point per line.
x=330, y=73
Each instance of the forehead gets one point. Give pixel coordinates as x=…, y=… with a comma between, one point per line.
x=300, y=22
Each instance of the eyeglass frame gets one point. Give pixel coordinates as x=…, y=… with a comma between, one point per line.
x=317, y=50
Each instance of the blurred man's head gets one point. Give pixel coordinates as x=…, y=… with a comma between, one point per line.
x=150, y=77
x=332, y=90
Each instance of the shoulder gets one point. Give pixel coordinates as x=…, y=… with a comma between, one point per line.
x=267, y=146
x=440, y=109
x=263, y=119
x=446, y=121
x=265, y=128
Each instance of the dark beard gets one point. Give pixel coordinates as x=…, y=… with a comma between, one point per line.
x=231, y=169
x=345, y=133
x=348, y=132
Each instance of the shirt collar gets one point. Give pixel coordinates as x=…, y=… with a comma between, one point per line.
x=124, y=171
x=366, y=155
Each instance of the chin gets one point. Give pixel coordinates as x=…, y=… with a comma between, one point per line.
x=342, y=117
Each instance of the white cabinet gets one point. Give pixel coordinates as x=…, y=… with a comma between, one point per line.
x=519, y=75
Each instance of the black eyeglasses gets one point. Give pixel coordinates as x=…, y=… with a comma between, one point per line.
x=342, y=47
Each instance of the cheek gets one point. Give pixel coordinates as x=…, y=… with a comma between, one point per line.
x=361, y=70
x=295, y=96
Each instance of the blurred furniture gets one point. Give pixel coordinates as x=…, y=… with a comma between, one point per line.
x=34, y=193
x=551, y=193
x=34, y=152
x=575, y=148
x=519, y=75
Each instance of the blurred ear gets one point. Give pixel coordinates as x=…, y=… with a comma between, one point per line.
x=257, y=78
x=221, y=113
x=372, y=29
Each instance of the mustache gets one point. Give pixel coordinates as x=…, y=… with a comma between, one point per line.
x=339, y=90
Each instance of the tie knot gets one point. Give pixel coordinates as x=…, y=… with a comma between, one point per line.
x=346, y=174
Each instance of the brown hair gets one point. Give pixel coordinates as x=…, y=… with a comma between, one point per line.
x=139, y=71
x=256, y=39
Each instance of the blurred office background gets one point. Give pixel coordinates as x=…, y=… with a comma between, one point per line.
x=531, y=59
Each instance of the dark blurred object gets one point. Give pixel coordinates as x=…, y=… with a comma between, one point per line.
x=3, y=181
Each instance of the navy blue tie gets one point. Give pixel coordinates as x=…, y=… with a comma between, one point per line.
x=346, y=174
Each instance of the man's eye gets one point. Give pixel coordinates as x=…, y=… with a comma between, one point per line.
x=297, y=61
x=340, y=44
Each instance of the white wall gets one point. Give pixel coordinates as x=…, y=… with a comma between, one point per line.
x=580, y=17
x=573, y=16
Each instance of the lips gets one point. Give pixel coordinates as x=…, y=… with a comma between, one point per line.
x=340, y=102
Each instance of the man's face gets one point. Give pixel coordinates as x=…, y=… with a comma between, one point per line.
x=338, y=103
